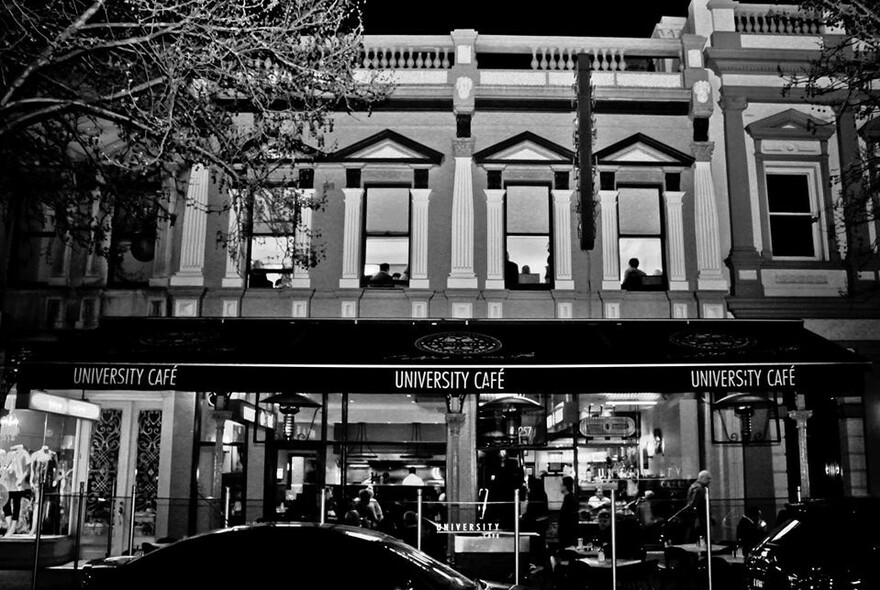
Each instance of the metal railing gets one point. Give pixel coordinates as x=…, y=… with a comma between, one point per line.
x=443, y=529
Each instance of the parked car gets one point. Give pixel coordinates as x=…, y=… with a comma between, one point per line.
x=827, y=545
x=282, y=555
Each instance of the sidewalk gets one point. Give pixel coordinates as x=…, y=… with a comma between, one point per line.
x=62, y=577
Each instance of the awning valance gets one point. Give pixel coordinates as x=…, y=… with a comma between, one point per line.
x=386, y=356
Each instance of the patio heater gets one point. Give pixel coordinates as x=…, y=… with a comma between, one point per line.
x=289, y=405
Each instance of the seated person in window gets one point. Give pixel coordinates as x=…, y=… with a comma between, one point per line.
x=629, y=545
x=258, y=279
x=633, y=278
x=527, y=277
x=382, y=278
x=511, y=272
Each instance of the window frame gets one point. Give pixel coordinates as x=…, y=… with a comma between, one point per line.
x=548, y=185
x=287, y=273
x=812, y=170
x=663, y=235
x=365, y=236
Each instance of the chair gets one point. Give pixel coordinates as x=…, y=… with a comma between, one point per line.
x=679, y=568
x=641, y=576
x=722, y=575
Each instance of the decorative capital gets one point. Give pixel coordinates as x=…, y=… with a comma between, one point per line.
x=703, y=150
x=800, y=417
x=454, y=423
x=733, y=103
x=463, y=147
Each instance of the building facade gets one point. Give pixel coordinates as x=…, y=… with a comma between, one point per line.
x=718, y=182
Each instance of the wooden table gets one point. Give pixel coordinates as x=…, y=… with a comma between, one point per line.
x=694, y=548
x=737, y=559
x=606, y=563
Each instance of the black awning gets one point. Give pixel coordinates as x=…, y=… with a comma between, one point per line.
x=522, y=356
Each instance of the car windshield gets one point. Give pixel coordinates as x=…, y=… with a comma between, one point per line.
x=827, y=534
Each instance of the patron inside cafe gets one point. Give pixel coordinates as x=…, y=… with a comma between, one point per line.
x=182, y=425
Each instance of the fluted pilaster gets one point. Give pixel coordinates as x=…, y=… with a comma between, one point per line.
x=610, y=256
x=232, y=276
x=462, y=274
x=301, y=272
x=351, y=246
x=418, y=276
x=562, y=276
x=710, y=264
x=675, y=240
x=195, y=221
x=494, y=238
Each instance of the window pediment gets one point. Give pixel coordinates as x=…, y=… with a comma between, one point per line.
x=525, y=148
x=871, y=130
x=642, y=150
x=387, y=147
x=791, y=124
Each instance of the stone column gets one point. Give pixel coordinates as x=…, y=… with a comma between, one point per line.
x=675, y=240
x=351, y=246
x=744, y=258
x=418, y=270
x=461, y=474
x=494, y=238
x=301, y=278
x=800, y=418
x=220, y=418
x=195, y=219
x=462, y=261
x=610, y=250
x=562, y=240
x=710, y=265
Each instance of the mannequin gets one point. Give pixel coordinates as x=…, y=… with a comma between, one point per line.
x=42, y=474
x=14, y=476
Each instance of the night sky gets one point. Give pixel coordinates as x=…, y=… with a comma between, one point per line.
x=584, y=18
x=602, y=18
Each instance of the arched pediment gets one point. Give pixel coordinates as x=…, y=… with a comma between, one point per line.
x=642, y=150
x=386, y=147
x=525, y=148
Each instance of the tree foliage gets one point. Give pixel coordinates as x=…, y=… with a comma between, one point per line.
x=106, y=104
x=846, y=75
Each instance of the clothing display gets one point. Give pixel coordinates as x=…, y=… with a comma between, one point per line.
x=43, y=466
x=14, y=469
x=14, y=476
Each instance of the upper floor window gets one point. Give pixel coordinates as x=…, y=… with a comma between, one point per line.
x=640, y=234
x=386, y=236
x=792, y=212
x=790, y=147
x=273, y=247
x=528, y=237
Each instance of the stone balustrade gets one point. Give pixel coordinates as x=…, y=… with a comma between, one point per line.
x=771, y=19
x=382, y=52
x=404, y=52
x=561, y=53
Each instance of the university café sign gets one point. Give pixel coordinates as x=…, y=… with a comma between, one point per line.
x=411, y=376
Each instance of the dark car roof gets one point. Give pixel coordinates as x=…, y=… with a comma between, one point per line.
x=254, y=542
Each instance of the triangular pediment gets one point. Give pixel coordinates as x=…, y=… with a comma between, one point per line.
x=387, y=147
x=791, y=124
x=642, y=150
x=525, y=148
